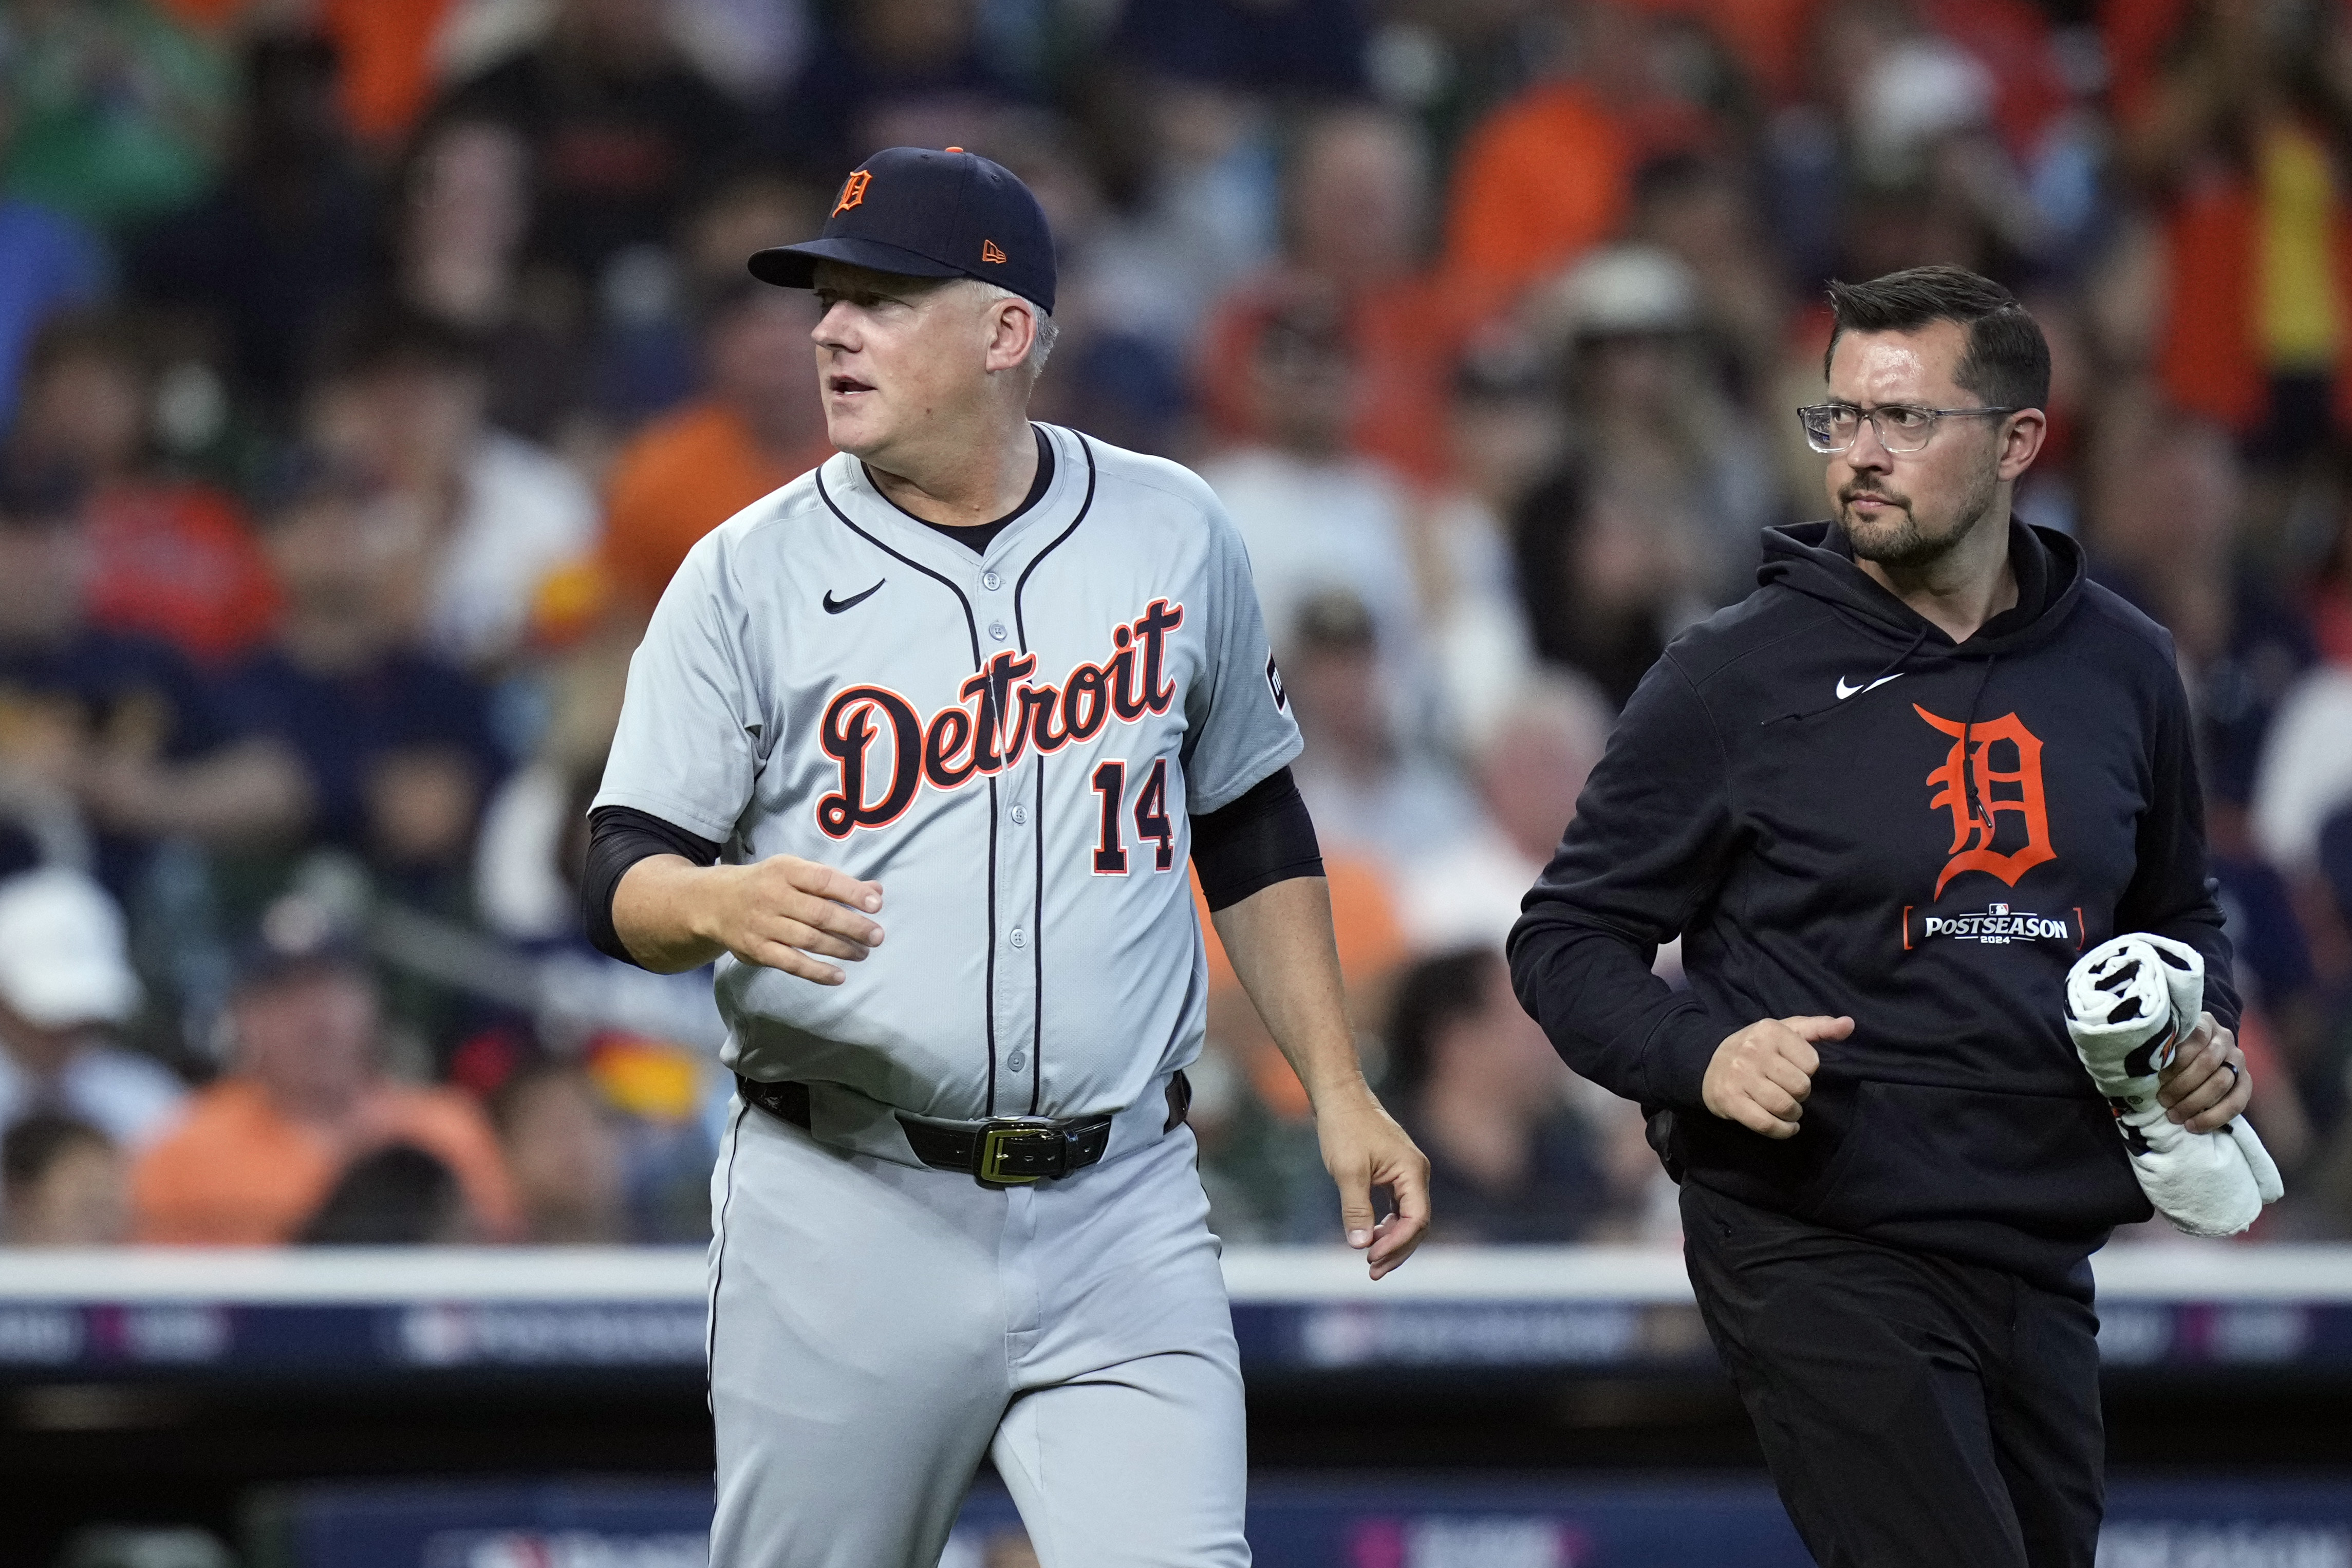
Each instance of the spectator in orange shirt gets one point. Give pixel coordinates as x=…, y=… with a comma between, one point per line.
x=1542, y=180
x=1549, y=175
x=758, y=427
x=1357, y=201
x=259, y=1151
x=388, y=61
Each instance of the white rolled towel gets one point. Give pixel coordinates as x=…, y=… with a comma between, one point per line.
x=2130, y=1003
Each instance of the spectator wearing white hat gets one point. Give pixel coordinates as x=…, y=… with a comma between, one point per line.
x=66, y=981
x=1646, y=381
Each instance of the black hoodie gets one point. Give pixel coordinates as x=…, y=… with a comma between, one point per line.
x=1782, y=792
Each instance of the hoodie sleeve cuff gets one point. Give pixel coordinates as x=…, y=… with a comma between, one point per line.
x=1681, y=1048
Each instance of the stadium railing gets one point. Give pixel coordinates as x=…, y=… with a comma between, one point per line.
x=135, y=1312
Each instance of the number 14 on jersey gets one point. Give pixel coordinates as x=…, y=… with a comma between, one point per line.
x=1150, y=815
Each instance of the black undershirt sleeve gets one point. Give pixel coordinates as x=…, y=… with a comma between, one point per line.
x=618, y=838
x=1262, y=838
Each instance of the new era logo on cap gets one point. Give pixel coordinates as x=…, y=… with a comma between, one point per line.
x=918, y=213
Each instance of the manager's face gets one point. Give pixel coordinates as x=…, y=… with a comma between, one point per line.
x=1909, y=508
x=899, y=360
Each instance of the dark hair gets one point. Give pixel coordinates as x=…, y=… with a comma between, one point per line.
x=1613, y=645
x=88, y=333
x=2008, y=361
x=1334, y=620
x=390, y=336
x=32, y=1148
x=46, y=495
x=1430, y=997
x=2335, y=858
x=399, y=1195
x=1674, y=174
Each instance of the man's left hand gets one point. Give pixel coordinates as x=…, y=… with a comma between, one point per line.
x=2207, y=1085
x=1363, y=1148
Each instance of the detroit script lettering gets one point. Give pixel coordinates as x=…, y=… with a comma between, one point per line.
x=1000, y=713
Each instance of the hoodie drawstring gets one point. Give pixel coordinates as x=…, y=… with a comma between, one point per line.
x=1978, y=809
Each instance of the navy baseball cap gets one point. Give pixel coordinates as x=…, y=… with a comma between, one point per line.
x=297, y=935
x=921, y=214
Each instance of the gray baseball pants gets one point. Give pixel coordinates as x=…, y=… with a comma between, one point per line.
x=877, y=1327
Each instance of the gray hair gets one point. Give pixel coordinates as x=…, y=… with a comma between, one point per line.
x=1048, y=329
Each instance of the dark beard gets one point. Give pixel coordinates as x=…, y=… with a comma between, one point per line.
x=1906, y=548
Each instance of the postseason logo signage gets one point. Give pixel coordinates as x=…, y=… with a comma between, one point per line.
x=1995, y=925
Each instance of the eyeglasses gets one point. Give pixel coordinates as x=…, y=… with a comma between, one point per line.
x=1832, y=426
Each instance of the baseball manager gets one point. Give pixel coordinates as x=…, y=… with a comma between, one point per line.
x=987, y=686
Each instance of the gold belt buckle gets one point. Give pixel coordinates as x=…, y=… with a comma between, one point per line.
x=999, y=1138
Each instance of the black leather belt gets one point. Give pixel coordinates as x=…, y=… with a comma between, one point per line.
x=1007, y=1152
x=1011, y=1149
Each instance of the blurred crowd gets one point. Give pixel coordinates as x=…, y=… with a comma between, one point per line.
x=367, y=367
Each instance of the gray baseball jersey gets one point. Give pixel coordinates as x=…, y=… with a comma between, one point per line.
x=1011, y=743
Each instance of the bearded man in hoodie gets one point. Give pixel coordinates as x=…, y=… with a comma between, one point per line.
x=1887, y=801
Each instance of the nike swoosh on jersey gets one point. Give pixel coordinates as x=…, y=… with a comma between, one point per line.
x=834, y=606
x=1845, y=690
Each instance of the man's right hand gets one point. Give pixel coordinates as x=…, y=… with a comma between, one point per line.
x=1761, y=1076
x=675, y=915
x=782, y=909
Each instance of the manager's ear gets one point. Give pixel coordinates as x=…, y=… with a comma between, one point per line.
x=1012, y=324
x=2022, y=435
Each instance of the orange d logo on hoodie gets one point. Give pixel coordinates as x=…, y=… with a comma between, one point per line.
x=1976, y=813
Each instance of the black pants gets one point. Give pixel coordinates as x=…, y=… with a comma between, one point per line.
x=1917, y=1412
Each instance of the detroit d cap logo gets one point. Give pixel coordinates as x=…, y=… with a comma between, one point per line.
x=917, y=212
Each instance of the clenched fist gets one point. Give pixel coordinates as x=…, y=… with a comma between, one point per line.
x=1761, y=1076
